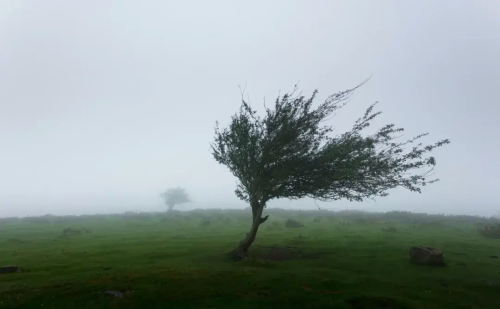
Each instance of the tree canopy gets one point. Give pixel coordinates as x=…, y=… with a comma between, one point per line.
x=291, y=152
x=175, y=196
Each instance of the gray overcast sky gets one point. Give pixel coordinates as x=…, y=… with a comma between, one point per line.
x=103, y=104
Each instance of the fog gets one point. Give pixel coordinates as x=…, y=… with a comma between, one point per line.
x=104, y=104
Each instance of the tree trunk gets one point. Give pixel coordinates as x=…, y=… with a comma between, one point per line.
x=170, y=207
x=241, y=250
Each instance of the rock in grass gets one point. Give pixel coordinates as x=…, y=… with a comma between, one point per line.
x=426, y=256
x=9, y=269
x=114, y=293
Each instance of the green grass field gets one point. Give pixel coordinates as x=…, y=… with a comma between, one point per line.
x=337, y=260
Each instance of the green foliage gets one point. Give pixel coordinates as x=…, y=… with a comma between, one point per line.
x=205, y=222
x=289, y=153
x=491, y=230
x=357, y=216
x=74, y=231
x=344, y=223
x=291, y=223
x=46, y=219
x=390, y=229
x=175, y=196
x=317, y=219
x=10, y=220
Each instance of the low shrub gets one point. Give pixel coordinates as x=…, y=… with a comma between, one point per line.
x=74, y=231
x=390, y=229
x=344, y=223
x=293, y=223
x=490, y=231
x=205, y=222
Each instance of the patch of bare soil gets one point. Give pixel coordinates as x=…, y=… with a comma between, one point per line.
x=285, y=253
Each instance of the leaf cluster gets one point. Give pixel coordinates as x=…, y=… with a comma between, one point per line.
x=175, y=196
x=290, y=153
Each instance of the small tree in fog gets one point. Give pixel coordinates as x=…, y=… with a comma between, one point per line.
x=175, y=196
x=289, y=153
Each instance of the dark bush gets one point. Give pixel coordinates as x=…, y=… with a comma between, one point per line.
x=293, y=223
x=490, y=231
x=74, y=231
x=390, y=229
x=344, y=223
x=205, y=222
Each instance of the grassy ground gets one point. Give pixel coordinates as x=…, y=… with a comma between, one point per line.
x=355, y=261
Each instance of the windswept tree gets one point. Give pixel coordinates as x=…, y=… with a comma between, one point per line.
x=290, y=153
x=175, y=196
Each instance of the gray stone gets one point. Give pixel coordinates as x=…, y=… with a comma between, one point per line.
x=115, y=293
x=8, y=269
x=426, y=256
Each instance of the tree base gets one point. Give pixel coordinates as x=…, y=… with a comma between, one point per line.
x=237, y=255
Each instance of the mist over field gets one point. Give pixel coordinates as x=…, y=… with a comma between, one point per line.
x=103, y=105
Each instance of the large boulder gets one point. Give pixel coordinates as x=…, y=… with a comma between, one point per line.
x=426, y=256
x=8, y=269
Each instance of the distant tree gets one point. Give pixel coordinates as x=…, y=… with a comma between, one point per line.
x=289, y=154
x=175, y=196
